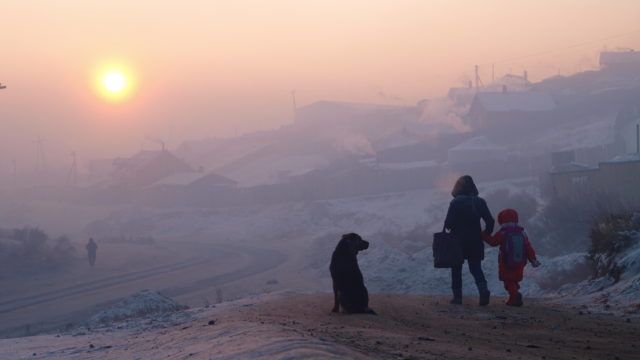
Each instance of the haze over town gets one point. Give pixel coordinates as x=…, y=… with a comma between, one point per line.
x=216, y=152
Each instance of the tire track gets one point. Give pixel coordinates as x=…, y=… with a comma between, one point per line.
x=91, y=286
x=258, y=263
x=261, y=260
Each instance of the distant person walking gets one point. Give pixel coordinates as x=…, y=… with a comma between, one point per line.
x=463, y=220
x=92, y=248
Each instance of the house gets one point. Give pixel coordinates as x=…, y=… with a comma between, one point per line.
x=614, y=180
x=191, y=188
x=494, y=109
x=145, y=168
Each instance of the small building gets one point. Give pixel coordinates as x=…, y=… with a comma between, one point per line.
x=615, y=180
x=494, y=109
x=476, y=150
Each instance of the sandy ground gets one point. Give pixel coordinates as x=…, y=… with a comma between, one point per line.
x=406, y=327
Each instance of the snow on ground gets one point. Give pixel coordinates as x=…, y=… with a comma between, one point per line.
x=605, y=294
x=310, y=231
x=393, y=263
x=198, y=333
x=140, y=303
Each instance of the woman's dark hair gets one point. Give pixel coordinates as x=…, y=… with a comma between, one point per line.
x=464, y=186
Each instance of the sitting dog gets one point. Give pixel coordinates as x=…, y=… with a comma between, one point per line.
x=348, y=286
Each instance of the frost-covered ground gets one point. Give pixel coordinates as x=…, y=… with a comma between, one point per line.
x=605, y=294
x=294, y=326
x=399, y=226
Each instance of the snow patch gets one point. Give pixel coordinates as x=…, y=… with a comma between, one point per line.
x=139, y=304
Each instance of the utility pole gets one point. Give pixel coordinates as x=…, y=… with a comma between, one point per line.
x=493, y=73
x=72, y=176
x=478, y=81
x=40, y=163
x=637, y=138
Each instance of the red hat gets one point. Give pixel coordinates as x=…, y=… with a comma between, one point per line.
x=507, y=216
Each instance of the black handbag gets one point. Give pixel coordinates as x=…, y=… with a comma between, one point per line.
x=447, y=251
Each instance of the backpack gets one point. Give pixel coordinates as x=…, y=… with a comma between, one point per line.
x=514, y=253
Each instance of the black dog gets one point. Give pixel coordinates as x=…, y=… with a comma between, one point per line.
x=348, y=286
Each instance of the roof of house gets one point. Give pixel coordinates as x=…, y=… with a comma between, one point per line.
x=145, y=168
x=515, y=101
x=179, y=179
x=191, y=178
x=146, y=158
x=572, y=167
x=477, y=143
x=624, y=158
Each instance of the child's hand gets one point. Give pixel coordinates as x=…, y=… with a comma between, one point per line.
x=535, y=263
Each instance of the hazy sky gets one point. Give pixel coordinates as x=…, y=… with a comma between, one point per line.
x=216, y=68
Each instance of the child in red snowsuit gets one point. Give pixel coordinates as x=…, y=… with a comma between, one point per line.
x=511, y=275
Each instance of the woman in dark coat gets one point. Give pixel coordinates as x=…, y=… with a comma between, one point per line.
x=463, y=219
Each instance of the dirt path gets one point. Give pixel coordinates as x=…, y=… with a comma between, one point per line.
x=302, y=327
x=427, y=327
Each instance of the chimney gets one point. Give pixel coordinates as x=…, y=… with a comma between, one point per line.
x=526, y=76
x=504, y=89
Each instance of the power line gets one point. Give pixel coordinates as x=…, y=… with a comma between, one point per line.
x=550, y=51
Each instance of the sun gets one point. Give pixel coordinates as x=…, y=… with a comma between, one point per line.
x=114, y=81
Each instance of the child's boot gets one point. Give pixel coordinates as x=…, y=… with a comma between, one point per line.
x=515, y=299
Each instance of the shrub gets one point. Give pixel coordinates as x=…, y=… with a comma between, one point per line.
x=610, y=235
x=28, y=250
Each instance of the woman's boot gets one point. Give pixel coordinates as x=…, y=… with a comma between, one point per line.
x=485, y=294
x=457, y=297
